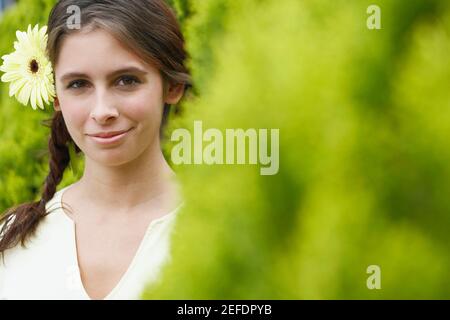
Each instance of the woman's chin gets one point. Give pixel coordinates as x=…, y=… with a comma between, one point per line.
x=110, y=158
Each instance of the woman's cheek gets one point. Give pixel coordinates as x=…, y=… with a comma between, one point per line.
x=143, y=108
x=75, y=118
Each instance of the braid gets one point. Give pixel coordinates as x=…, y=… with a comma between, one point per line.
x=59, y=156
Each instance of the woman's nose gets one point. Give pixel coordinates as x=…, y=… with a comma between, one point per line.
x=104, y=107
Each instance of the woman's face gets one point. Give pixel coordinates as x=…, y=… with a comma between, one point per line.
x=102, y=87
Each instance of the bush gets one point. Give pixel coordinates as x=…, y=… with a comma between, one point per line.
x=364, y=155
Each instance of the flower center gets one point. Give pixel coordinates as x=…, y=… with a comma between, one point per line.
x=34, y=66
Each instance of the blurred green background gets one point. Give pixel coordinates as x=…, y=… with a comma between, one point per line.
x=364, y=119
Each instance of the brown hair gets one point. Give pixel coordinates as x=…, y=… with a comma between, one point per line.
x=147, y=27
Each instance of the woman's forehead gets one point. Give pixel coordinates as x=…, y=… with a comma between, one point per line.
x=96, y=50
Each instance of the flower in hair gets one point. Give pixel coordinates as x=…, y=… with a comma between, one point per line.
x=29, y=70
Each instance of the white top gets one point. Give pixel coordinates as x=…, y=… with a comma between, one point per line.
x=48, y=267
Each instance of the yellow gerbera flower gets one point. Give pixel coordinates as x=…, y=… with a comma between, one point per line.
x=29, y=70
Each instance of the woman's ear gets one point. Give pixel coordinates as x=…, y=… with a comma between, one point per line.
x=174, y=93
x=56, y=104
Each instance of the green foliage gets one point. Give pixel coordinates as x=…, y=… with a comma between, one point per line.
x=364, y=118
x=182, y=9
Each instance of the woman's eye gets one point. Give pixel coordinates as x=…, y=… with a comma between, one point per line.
x=77, y=84
x=128, y=81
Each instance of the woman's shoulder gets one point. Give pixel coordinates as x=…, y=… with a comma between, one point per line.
x=55, y=203
x=48, y=229
x=51, y=206
x=41, y=267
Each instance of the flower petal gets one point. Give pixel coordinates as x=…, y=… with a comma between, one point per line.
x=33, y=97
x=24, y=95
x=11, y=76
x=15, y=86
x=44, y=93
x=39, y=95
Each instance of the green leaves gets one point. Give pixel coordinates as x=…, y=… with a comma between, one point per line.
x=363, y=179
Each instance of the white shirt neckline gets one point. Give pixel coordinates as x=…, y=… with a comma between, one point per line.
x=127, y=272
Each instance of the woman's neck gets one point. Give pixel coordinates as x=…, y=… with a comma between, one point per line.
x=146, y=181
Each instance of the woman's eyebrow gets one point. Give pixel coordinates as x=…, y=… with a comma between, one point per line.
x=136, y=70
x=128, y=70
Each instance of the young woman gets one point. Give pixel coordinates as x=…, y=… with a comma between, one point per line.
x=107, y=235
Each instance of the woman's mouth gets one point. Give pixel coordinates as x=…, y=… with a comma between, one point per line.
x=109, y=137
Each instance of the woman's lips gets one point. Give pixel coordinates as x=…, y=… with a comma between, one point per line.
x=111, y=137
